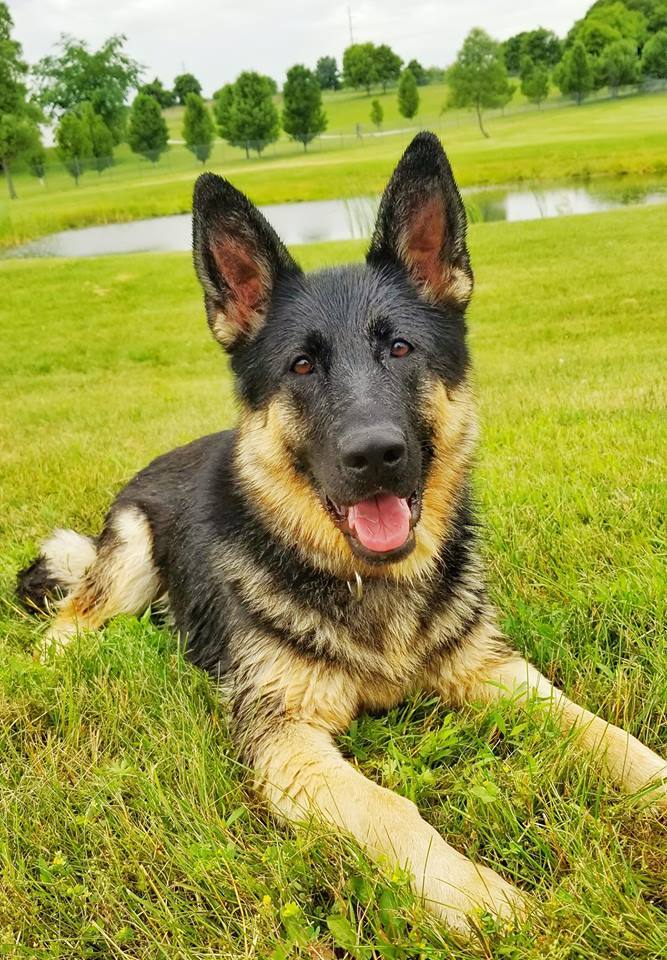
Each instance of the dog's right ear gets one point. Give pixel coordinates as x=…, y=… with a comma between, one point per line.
x=238, y=257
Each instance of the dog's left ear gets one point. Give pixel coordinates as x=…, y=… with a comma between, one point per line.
x=421, y=225
x=239, y=259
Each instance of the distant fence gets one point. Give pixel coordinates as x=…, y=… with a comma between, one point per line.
x=54, y=174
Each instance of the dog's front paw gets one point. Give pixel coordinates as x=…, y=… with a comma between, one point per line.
x=472, y=889
x=498, y=897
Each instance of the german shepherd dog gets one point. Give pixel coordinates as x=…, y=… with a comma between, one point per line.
x=321, y=559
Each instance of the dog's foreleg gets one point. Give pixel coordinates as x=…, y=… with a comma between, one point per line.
x=302, y=774
x=624, y=758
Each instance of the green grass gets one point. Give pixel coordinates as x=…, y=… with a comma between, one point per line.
x=624, y=137
x=126, y=829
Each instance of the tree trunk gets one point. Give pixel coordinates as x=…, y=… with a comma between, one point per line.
x=10, y=182
x=479, y=120
x=247, y=151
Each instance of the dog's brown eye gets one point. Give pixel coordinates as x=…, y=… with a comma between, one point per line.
x=400, y=348
x=303, y=365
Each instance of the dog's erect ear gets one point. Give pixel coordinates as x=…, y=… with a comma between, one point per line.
x=421, y=225
x=238, y=257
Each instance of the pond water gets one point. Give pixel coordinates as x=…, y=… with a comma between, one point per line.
x=323, y=220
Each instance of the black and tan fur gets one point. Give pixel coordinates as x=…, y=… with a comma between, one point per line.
x=302, y=629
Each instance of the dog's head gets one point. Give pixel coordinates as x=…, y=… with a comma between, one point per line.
x=356, y=425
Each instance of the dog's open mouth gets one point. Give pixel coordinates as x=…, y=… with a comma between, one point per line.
x=379, y=529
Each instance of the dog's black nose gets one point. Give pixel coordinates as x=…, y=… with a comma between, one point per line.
x=373, y=453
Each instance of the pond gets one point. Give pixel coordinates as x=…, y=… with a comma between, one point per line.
x=324, y=220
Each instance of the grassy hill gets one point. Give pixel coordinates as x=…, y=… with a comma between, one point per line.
x=609, y=137
x=347, y=108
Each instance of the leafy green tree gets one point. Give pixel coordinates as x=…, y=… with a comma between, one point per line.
x=147, y=133
x=513, y=51
x=387, y=65
x=360, y=66
x=408, y=95
x=574, y=74
x=75, y=144
x=19, y=133
x=184, y=84
x=197, y=127
x=327, y=73
x=534, y=81
x=101, y=138
x=606, y=23
x=13, y=69
x=478, y=77
x=654, y=56
x=102, y=78
x=164, y=97
x=245, y=112
x=543, y=47
x=619, y=65
x=420, y=75
x=303, y=117
x=656, y=16
x=377, y=113
x=18, y=136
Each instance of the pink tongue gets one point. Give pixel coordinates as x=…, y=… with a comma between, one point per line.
x=381, y=523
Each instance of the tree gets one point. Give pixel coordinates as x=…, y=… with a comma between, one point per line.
x=418, y=72
x=606, y=23
x=18, y=136
x=542, y=46
x=327, y=73
x=377, y=113
x=197, y=127
x=513, y=51
x=654, y=56
x=619, y=65
x=102, y=78
x=359, y=66
x=75, y=144
x=148, y=134
x=164, y=97
x=303, y=117
x=574, y=74
x=13, y=69
x=184, y=84
x=478, y=77
x=387, y=65
x=408, y=95
x=19, y=133
x=101, y=138
x=656, y=18
x=534, y=81
x=245, y=112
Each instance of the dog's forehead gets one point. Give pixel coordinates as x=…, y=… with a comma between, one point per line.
x=346, y=298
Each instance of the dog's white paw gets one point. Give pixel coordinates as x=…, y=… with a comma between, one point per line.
x=475, y=890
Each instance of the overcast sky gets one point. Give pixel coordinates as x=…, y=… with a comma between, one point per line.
x=216, y=39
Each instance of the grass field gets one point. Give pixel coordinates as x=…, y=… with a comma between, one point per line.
x=624, y=137
x=125, y=827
